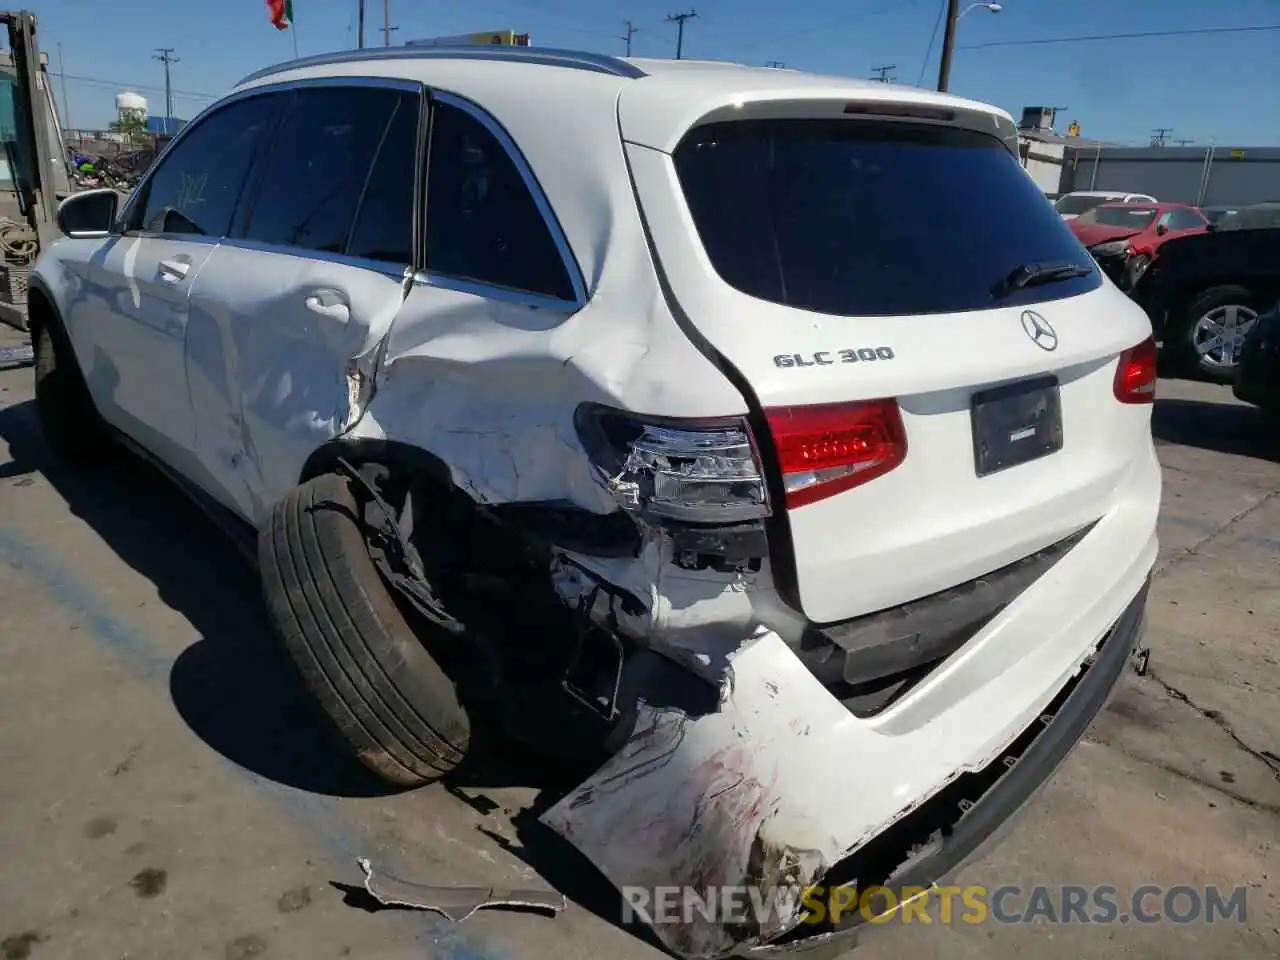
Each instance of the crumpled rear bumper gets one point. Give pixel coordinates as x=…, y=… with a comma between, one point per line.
x=781, y=788
x=1029, y=765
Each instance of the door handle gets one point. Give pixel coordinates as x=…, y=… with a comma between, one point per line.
x=175, y=269
x=329, y=307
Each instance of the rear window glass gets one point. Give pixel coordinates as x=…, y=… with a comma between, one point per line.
x=1120, y=216
x=1077, y=204
x=871, y=219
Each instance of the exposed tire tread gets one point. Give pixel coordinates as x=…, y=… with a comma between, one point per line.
x=387, y=697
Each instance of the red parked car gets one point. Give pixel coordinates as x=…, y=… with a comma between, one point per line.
x=1125, y=237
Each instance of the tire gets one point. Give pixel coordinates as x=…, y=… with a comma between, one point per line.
x=1189, y=358
x=392, y=704
x=71, y=424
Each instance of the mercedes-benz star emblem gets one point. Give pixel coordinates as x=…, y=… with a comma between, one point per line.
x=1038, y=329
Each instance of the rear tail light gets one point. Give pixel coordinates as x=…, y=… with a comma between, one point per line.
x=687, y=471
x=1136, y=373
x=826, y=449
x=709, y=471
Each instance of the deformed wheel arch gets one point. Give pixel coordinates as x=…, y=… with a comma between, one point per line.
x=389, y=453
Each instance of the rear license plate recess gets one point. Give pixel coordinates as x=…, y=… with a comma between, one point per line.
x=1015, y=424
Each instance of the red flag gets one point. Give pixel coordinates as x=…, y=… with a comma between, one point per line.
x=281, y=12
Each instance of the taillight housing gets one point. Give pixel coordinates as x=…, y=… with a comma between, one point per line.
x=826, y=449
x=1136, y=374
x=689, y=471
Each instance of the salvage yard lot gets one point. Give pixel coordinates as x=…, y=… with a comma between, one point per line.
x=165, y=790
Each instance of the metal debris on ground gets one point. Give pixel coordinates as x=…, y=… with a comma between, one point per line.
x=17, y=356
x=455, y=903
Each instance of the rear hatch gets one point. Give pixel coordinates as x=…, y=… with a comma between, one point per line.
x=848, y=263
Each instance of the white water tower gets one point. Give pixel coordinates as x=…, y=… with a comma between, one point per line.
x=130, y=104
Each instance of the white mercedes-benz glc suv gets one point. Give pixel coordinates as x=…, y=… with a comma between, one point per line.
x=762, y=439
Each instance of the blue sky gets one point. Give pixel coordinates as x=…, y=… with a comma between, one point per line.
x=1219, y=87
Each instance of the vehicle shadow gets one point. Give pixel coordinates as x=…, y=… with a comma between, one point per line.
x=237, y=691
x=1230, y=428
x=234, y=688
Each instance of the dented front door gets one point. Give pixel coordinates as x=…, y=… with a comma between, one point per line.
x=288, y=316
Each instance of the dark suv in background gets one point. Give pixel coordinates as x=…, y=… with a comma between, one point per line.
x=1204, y=292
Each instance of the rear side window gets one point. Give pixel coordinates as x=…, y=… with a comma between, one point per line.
x=482, y=222
x=859, y=219
x=384, y=225
x=1185, y=220
x=1121, y=215
x=1076, y=204
x=198, y=183
x=318, y=167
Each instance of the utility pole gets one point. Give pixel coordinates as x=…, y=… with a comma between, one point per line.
x=66, y=104
x=1160, y=136
x=631, y=31
x=360, y=21
x=165, y=56
x=678, y=19
x=387, y=28
x=776, y=64
x=883, y=73
x=948, y=45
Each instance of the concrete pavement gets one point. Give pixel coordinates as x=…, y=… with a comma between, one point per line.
x=166, y=792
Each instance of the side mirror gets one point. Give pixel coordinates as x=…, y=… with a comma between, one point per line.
x=90, y=214
x=1161, y=229
x=1211, y=226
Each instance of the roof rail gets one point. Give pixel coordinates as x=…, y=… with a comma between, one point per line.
x=546, y=56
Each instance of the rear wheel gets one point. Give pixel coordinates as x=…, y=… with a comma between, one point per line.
x=1213, y=330
x=72, y=427
x=390, y=701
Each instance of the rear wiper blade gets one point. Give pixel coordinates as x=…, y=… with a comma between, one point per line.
x=1034, y=274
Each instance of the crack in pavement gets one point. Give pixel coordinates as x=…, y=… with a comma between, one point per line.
x=1215, y=717
x=1269, y=759
x=1262, y=805
x=1194, y=549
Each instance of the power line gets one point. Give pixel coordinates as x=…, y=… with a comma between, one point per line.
x=1201, y=32
x=933, y=38
x=165, y=56
x=883, y=72
x=103, y=83
x=631, y=31
x=678, y=19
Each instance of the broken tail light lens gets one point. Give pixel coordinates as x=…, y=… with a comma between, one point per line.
x=692, y=472
x=827, y=449
x=1136, y=373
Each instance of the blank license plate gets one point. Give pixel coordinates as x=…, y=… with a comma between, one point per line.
x=1015, y=424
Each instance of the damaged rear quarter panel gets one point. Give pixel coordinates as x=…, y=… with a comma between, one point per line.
x=490, y=384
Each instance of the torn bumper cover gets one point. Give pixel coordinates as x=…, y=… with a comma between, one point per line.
x=781, y=788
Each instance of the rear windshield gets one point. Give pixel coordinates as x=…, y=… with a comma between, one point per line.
x=1078, y=204
x=1139, y=218
x=870, y=219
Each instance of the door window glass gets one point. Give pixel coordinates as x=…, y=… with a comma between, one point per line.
x=198, y=183
x=318, y=166
x=1185, y=220
x=483, y=224
x=384, y=224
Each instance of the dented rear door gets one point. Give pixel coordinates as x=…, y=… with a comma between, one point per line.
x=288, y=316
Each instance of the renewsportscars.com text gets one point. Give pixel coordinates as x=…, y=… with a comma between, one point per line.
x=974, y=904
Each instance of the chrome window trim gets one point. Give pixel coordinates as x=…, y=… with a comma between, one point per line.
x=490, y=291
x=397, y=271
x=549, y=219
